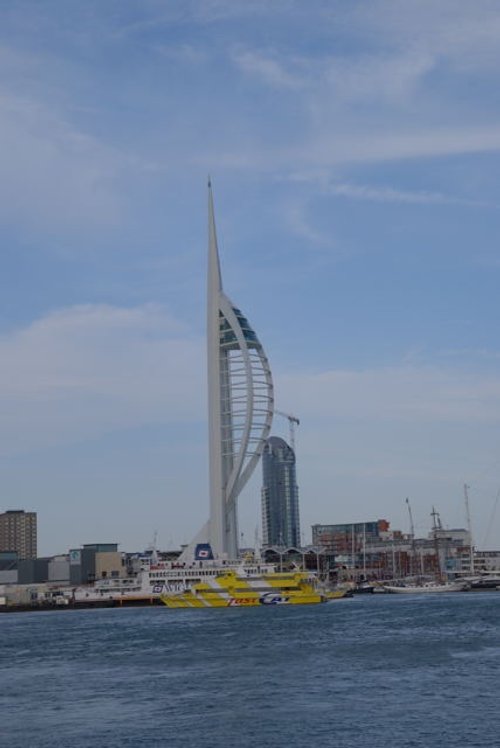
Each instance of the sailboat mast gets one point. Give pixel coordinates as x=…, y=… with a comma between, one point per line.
x=412, y=535
x=436, y=526
x=353, y=562
x=469, y=527
x=364, y=551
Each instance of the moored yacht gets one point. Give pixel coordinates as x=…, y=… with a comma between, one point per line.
x=426, y=588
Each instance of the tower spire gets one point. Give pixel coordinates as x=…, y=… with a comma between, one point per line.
x=240, y=404
x=214, y=273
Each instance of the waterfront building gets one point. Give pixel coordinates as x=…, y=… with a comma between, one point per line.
x=33, y=570
x=18, y=533
x=280, y=495
x=8, y=567
x=485, y=562
x=450, y=544
x=95, y=561
x=59, y=569
x=349, y=537
x=240, y=406
x=371, y=549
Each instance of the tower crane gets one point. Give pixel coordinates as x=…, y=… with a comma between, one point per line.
x=293, y=421
x=412, y=526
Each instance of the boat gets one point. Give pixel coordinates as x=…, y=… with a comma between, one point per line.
x=363, y=588
x=426, y=587
x=159, y=579
x=337, y=594
x=485, y=582
x=247, y=586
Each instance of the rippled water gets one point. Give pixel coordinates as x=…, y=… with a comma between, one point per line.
x=371, y=672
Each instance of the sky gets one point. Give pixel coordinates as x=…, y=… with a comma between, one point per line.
x=354, y=151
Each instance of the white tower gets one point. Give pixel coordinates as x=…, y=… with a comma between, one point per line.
x=240, y=403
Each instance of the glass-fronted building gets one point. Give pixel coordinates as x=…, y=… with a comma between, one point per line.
x=280, y=495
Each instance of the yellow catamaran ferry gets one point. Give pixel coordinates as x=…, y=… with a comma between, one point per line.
x=247, y=586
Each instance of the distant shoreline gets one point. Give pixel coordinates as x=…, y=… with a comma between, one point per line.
x=82, y=605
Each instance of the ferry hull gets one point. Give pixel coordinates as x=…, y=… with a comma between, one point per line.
x=189, y=600
x=234, y=591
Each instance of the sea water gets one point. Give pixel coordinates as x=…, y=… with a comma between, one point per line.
x=370, y=672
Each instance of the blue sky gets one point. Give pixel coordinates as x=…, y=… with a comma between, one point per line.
x=354, y=151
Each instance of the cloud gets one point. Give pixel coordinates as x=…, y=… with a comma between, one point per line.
x=369, y=437
x=320, y=153
x=210, y=11
x=471, y=354
x=295, y=214
x=183, y=54
x=387, y=93
x=391, y=195
x=156, y=15
x=403, y=394
x=328, y=80
x=268, y=68
x=461, y=35
x=407, y=144
x=80, y=372
x=375, y=435
x=357, y=144
x=377, y=193
x=372, y=78
x=53, y=176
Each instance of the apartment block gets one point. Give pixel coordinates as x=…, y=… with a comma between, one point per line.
x=18, y=533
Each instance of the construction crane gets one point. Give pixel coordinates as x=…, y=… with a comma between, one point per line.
x=412, y=526
x=436, y=520
x=293, y=421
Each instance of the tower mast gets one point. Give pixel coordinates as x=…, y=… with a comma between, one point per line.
x=469, y=527
x=240, y=402
x=412, y=534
